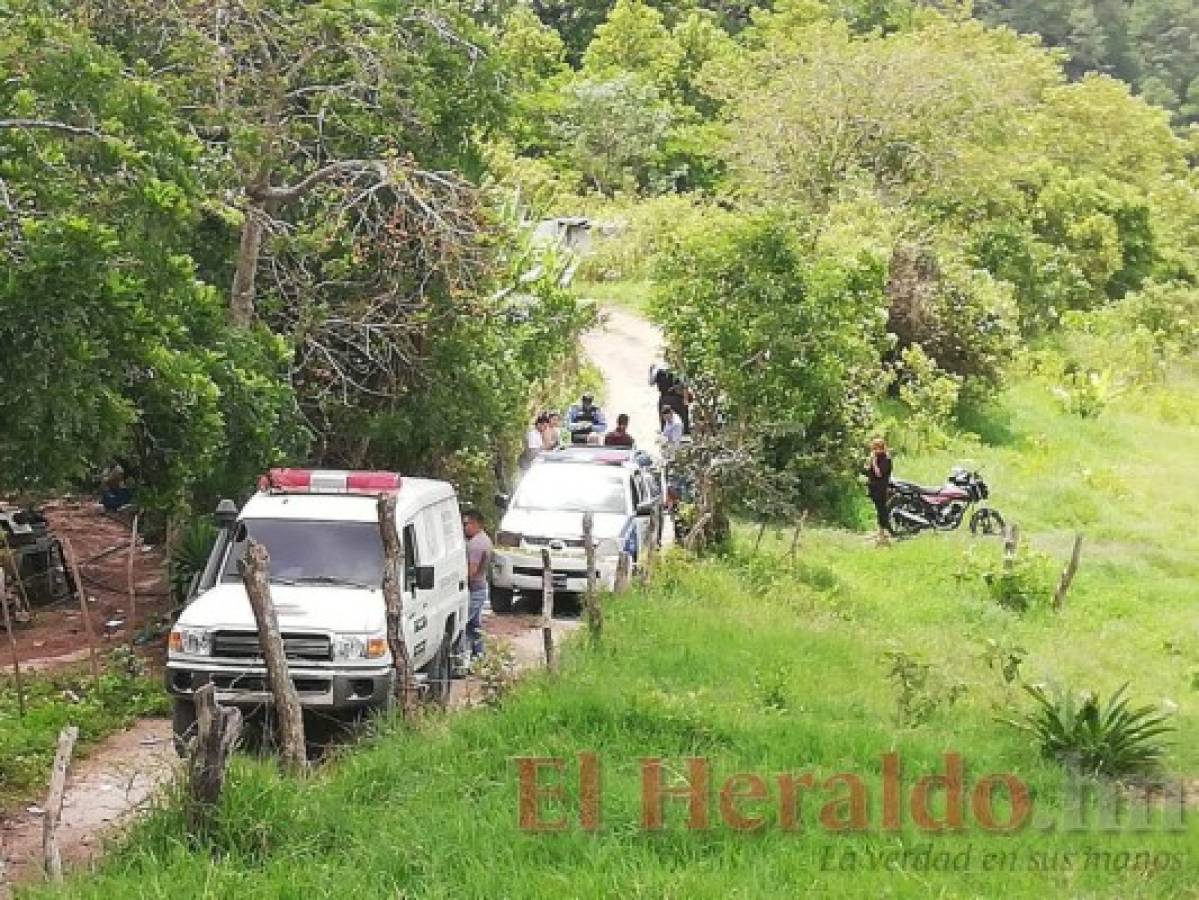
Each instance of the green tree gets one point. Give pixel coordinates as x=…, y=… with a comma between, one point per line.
x=787, y=340
x=634, y=40
x=614, y=132
x=112, y=345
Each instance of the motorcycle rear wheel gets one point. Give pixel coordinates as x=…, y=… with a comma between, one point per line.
x=986, y=522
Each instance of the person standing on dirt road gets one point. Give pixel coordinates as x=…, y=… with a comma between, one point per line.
x=478, y=565
x=672, y=392
x=878, y=480
x=672, y=427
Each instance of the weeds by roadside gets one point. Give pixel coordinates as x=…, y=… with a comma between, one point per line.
x=124, y=692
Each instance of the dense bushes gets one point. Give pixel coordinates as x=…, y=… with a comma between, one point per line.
x=382, y=315
x=789, y=343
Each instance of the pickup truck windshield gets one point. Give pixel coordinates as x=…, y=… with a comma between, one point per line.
x=303, y=552
x=571, y=487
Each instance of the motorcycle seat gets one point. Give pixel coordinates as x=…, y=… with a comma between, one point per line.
x=915, y=488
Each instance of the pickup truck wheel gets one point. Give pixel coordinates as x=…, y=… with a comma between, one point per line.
x=501, y=600
x=183, y=724
x=440, y=671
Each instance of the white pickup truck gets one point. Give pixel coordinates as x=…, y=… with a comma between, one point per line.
x=621, y=488
x=326, y=565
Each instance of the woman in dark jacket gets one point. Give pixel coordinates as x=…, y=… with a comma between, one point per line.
x=878, y=477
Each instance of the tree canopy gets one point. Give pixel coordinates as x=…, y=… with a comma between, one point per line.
x=253, y=231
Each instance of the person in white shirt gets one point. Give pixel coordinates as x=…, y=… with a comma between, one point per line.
x=672, y=427
x=551, y=437
x=534, y=441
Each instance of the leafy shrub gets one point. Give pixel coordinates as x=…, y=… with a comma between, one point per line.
x=919, y=691
x=1004, y=659
x=771, y=689
x=1026, y=582
x=788, y=343
x=628, y=238
x=961, y=316
x=1167, y=315
x=496, y=670
x=1096, y=738
x=929, y=396
x=1087, y=394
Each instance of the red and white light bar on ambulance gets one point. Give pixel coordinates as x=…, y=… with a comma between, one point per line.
x=329, y=481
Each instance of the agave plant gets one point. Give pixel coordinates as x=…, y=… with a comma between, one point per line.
x=189, y=556
x=1096, y=738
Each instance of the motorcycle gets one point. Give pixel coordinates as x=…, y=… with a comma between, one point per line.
x=912, y=508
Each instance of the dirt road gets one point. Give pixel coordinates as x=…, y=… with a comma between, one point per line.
x=120, y=777
x=624, y=347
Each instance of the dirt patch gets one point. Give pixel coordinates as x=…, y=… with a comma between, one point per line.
x=56, y=638
x=119, y=778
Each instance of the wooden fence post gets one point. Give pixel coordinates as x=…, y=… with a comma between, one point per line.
x=547, y=608
x=217, y=730
x=1063, y=585
x=25, y=609
x=87, y=618
x=393, y=596
x=799, y=526
x=693, y=535
x=12, y=644
x=591, y=602
x=624, y=566
x=1011, y=544
x=758, y=539
x=58, y=786
x=256, y=575
x=5, y=890
x=129, y=580
x=651, y=549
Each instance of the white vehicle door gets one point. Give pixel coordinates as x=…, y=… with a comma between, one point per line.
x=457, y=598
x=416, y=602
x=641, y=494
x=441, y=601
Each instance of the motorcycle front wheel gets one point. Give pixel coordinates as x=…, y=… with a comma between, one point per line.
x=986, y=521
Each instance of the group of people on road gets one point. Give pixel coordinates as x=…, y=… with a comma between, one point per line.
x=586, y=423
x=544, y=436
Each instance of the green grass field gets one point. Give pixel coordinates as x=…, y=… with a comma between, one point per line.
x=767, y=666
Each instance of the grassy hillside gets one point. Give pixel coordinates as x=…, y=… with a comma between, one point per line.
x=766, y=666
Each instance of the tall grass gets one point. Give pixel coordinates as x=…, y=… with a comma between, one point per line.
x=765, y=665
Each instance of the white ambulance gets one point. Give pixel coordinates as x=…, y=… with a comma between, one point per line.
x=321, y=530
